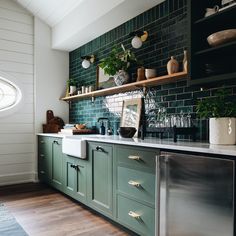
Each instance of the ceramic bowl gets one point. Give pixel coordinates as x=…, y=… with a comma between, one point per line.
x=221, y=37
x=127, y=132
x=150, y=73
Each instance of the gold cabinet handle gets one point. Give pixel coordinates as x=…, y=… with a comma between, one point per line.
x=135, y=158
x=134, y=215
x=134, y=183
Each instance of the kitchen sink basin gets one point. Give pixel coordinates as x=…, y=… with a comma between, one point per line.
x=74, y=146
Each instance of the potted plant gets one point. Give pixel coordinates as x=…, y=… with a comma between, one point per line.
x=221, y=113
x=117, y=64
x=71, y=86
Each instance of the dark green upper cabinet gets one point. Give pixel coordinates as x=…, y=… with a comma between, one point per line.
x=100, y=185
x=210, y=64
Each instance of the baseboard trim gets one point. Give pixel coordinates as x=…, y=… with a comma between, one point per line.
x=18, y=178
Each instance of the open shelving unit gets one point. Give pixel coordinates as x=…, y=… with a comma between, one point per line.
x=201, y=55
x=129, y=87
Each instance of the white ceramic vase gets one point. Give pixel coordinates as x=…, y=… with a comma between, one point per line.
x=222, y=130
x=121, y=77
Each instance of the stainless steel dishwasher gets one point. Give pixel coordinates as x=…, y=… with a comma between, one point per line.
x=196, y=195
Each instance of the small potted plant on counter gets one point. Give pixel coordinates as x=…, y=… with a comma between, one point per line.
x=117, y=64
x=221, y=113
x=71, y=86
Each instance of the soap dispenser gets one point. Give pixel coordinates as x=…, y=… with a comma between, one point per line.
x=102, y=129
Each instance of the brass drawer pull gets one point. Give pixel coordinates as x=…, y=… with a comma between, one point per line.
x=134, y=215
x=134, y=183
x=135, y=158
x=42, y=155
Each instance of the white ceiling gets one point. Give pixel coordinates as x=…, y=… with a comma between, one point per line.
x=76, y=22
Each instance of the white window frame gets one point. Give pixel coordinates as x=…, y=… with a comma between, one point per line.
x=19, y=87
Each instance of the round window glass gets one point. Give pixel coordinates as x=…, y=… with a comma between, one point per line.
x=10, y=94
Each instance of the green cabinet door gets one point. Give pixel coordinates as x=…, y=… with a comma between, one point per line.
x=74, y=176
x=100, y=177
x=44, y=159
x=57, y=158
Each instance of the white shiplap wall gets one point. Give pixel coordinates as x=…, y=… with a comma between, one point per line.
x=17, y=139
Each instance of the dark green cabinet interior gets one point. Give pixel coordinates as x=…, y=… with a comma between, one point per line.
x=203, y=57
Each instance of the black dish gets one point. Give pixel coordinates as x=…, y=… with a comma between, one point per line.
x=127, y=132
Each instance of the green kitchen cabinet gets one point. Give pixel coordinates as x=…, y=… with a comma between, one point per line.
x=44, y=159
x=100, y=177
x=75, y=178
x=57, y=158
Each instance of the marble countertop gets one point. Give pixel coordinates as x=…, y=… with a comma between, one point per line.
x=163, y=144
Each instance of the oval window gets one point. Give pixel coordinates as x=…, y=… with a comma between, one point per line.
x=10, y=94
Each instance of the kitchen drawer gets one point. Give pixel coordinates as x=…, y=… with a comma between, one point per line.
x=135, y=216
x=136, y=157
x=138, y=184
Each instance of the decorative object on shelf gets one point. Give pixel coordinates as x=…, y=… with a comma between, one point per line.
x=121, y=77
x=221, y=37
x=138, y=38
x=71, y=87
x=117, y=61
x=141, y=74
x=226, y=4
x=87, y=61
x=127, y=132
x=185, y=62
x=131, y=113
x=150, y=73
x=211, y=11
x=222, y=113
x=172, y=66
x=104, y=80
x=54, y=124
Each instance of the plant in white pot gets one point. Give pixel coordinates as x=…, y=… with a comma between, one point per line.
x=221, y=113
x=117, y=64
x=71, y=86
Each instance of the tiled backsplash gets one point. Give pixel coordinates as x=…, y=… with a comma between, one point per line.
x=167, y=28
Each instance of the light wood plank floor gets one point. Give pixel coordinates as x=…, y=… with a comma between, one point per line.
x=42, y=211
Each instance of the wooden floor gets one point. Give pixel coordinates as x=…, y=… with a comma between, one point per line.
x=42, y=211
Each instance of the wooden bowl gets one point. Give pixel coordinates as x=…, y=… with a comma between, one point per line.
x=221, y=37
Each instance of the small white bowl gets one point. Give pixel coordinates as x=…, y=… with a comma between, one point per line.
x=150, y=73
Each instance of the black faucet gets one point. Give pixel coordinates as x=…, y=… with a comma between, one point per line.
x=103, y=130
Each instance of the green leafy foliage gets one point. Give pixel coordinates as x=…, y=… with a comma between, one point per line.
x=117, y=60
x=71, y=82
x=217, y=106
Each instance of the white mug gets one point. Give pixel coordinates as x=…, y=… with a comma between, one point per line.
x=211, y=11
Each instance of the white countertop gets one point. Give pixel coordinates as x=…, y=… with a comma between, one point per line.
x=156, y=143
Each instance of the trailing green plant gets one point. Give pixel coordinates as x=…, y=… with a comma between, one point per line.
x=117, y=60
x=217, y=106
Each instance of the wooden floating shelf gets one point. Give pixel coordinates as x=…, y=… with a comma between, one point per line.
x=129, y=87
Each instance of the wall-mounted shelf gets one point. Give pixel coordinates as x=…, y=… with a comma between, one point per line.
x=129, y=87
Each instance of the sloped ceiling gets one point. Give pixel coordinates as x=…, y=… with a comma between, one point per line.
x=76, y=22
